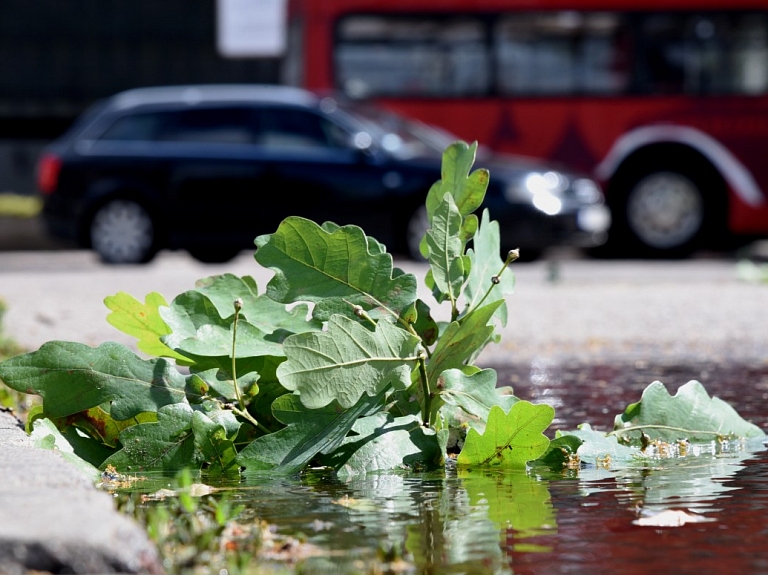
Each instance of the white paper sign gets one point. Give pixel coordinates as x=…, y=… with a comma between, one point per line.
x=248, y=28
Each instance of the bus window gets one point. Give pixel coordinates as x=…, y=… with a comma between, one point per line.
x=702, y=53
x=561, y=53
x=380, y=55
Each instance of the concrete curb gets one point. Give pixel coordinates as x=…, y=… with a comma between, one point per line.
x=52, y=519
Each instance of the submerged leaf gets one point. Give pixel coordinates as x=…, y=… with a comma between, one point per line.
x=599, y=449
x=335, y=270
x=511, y=499
x=73, y=377
x=510, y=439
x=670, y=518
x=346, y=362
x=690, y=414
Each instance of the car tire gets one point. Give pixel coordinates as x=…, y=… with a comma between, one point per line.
x=214, y=255
x=417, y=226
x=122, y=231
x=666, y=212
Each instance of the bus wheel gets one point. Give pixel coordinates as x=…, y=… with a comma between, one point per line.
x=663, y=213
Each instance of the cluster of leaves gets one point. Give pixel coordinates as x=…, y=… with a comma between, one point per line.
x=338, y=363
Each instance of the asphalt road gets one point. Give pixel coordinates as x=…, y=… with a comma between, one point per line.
x=564, y=307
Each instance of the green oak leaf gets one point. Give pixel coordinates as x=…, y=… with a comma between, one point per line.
x=347, y=361
x=168, y=443
x=690, y=414
x=142, y=321
x=597, y=446
x=470, y=398
x=486, y=264
x=559, y=452
x=260, y=311
x=383, y=443
x=220, y=382
x=468, y=190
x=374, y=245
x=45, y=435
x=214, y=433
x=335, y=270
x=307, y=433
x=199, y=331
x=418, y=315
x=100, y=425
x=462, y=340
x=510, y=439
x=72, y=377
x=446, y=250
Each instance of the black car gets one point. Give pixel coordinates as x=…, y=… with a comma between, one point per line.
x=208, y=168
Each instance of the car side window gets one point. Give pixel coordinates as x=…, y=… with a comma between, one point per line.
x=286, y=128
x=204, y=125
x=208, y=125
x=133, y=128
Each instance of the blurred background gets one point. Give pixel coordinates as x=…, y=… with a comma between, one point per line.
x=663, y=103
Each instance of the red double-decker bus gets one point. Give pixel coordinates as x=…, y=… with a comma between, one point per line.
x=665, y=101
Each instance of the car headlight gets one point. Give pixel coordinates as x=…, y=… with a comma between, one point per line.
x=543, y=189
x=587, y=191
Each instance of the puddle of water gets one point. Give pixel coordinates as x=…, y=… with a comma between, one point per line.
x=577, y=521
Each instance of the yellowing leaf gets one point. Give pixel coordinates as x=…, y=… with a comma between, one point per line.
x=142, y=321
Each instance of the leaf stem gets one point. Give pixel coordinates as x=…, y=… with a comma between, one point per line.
x=427, y=406
x=511, y=256
x=664, y=427
x=247, y=416
x=238, y=303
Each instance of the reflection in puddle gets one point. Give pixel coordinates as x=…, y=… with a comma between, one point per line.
x=699, y=514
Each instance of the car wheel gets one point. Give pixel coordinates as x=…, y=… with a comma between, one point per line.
x=417, y=226
x=122, y=232
x=214, y=255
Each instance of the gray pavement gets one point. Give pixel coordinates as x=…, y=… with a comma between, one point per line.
x=565, y=309
x=52, y=519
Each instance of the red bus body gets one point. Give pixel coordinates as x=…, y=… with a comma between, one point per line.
x=597, y=133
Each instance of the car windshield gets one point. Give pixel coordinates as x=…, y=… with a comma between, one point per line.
x=400, y=137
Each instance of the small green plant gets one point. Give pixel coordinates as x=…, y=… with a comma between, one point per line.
x=21, y=403
x=192, y=533
x=337, y=363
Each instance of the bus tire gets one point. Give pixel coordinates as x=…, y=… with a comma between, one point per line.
x=663, y=211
